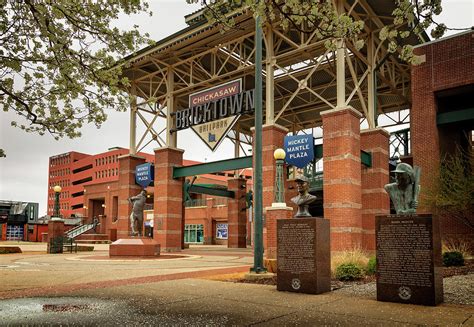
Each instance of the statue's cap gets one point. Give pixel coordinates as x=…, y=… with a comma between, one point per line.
x=302, y=178
x=403, y=168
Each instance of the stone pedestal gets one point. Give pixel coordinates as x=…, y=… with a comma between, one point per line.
x=236, y=214
x=168, y=200
x=127, y=189
x=138, y=247
x=55, y=235
x=409, y=265
x=304, y=258
x=375, y=201
x=272, y=214
x=342, y=177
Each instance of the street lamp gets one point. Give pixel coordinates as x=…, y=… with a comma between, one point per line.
x=279, y=197
x=57, y=190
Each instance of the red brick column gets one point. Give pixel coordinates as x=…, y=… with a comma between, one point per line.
x=168, y=200
x=55, y=229
x=272, y=138
x=342, y=177
x=127, y=189
x=236, y=219
x=4, y=232
x=375, y=201
x=271, y=216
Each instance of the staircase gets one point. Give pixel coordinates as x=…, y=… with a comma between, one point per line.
x=79, y=230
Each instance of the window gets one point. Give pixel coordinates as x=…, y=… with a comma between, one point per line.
x=221, y=231
x=194, y=233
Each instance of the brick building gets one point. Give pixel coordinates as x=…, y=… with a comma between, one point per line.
x=442, y=113
x=91, y=184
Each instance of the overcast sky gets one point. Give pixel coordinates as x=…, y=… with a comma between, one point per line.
x=24, y=173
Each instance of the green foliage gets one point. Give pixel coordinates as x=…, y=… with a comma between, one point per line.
x=371, y=266
x=453, y=195
x=9, y=249
x=2, y=153
x=453, y=259
x=53, y=60
x=323, y=18
x=348, y=272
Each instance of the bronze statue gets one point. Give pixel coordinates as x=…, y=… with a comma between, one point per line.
x=136, y=217
x=404, y=192
x=303, y=199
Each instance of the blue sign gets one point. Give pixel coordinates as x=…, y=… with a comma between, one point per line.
x=144, y=174
x=299, y=150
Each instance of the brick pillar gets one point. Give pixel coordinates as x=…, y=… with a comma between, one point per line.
x=127, y=189
x=236, y=214
x=55, y=229
x=3, y=228
x=208, y=233
x=168, y=200
x=271, y=216
x=342, y=177
x=375, y=201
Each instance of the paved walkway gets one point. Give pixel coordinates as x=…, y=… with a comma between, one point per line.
x=89, y=289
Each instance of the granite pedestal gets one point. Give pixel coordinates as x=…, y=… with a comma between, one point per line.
x=140, y=247
x=409, y=265
x=303, y=255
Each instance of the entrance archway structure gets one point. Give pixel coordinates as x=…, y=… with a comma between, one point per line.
x=306, y=86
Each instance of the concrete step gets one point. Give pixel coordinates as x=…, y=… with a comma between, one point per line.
x=93, y=241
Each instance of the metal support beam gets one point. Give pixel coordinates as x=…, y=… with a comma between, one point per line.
x=341, y=74
x=371, y=90
x=270, y=78
x=211, y=191
x=455, y=116
x=133, y=119
x=171, y=138
x=258, y=204
x=213, y=167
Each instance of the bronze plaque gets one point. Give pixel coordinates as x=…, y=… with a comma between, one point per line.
x=303, y=255
x=409, y=266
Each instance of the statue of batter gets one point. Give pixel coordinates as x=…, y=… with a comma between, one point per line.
x=303, y=199
x=136, y=217
x=404, y=192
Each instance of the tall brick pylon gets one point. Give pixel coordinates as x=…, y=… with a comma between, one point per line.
x=127, y=189
x=273, y=137
x=342, y=177
x=236, y=219
x=375, y=201
x=168, y=200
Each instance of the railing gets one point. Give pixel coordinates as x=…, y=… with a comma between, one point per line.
x=195, y=203
x=75, y=232
x=60, y=244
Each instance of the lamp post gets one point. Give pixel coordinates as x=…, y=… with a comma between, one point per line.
x=57, y=190
x=279, y=198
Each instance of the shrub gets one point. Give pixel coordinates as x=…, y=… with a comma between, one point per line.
x=349, y=271
x=9, y=249
x=457, y=245
x=355, y=256
x=371, y=266
x=453, y=259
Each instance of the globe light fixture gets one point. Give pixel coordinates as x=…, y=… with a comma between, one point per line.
x=57, y=191
x=279, y=196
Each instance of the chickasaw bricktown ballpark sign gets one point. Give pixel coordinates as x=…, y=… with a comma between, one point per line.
x=299, y=150
x=213, y=112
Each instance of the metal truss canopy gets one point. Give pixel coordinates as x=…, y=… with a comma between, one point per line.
x=301, y=77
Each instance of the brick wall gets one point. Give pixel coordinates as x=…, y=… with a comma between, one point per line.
x=449, y=63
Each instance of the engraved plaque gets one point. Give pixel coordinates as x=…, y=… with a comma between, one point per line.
x=303, y=255
x=409, y=266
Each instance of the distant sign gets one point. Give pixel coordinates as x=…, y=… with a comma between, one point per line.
x=299, y=150
x=221, y=231
x=144, y=174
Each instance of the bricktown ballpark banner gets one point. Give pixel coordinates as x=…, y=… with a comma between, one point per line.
x=213, y=112
x=299, y=150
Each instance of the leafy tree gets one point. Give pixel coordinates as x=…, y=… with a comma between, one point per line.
x=53, y=55
x=322, y=17
x=453, y=194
